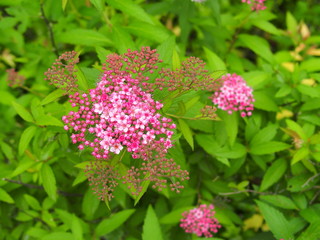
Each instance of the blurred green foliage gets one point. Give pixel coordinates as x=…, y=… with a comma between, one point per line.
x=261, y=172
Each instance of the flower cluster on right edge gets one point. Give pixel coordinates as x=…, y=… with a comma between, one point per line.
x=200, y=221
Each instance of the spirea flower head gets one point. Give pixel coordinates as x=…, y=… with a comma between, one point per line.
x=234, y=95
x=117, y=114
x=200, y=221
x=256, y=5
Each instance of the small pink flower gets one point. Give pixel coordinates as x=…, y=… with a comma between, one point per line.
x=256, y=5
x=200, y=221
x=234, y=95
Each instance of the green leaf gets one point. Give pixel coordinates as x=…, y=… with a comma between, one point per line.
x=312, y=213
x=176, y=63
x=311, y=233
x=264, y=135
x=175, y=216
x=82, y=81
x=296, y=128
x=145, y=184
x=279, y=201
x=164, y=49
x=186, y=132
x=273, y=174
x=90, y=204
x=276, y=221
x=132, y=9
x=48, y=120
x=81, y=177
x=32, y=202
x=145, y=30
x=24, y=164
x=292, y=24
x=264, y=102
x=258, y=45
x=58, y=236
x=6, y=97
x=231, y=122
x=268, y=147
x=5, y=197
x=22, y=112
x=214, y=61
x=99, y=4
x=76, y=228
x=86, y=37
x=151, y=226
x=311, y=104
x=299, y=155
x=266, y=26
x=25, y=139
x=311, y=65
x=309, y=91
x=108, y=225
x=123, y=39
x=48, y=181
x=52, y=96
x=64, y=4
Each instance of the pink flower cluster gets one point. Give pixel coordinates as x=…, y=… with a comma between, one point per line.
x=118, y=114
x=200, y=221
x=256, y=5
x=234, y=95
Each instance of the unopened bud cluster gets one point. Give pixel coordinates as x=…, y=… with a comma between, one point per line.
x=62, y=73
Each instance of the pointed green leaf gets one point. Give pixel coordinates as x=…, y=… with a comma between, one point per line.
x=90, y=204
x=258, y=45
x=268, y=147
x=151, y=226
x=186, y=132
x=276, y=221
x=273, y=174
x=48, y=120
x=22, y=112
x=113, y=222
x=132, y=9
x=214, y=61
x=25, y=139
x=48, y=181
x=279, y=201
x=175, y=216
x=64, y=4
x=5, y=197
x=52, y=96
x=32, y=202
x=76, y=228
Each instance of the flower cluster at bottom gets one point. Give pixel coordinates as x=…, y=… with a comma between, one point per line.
x=200, y=221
